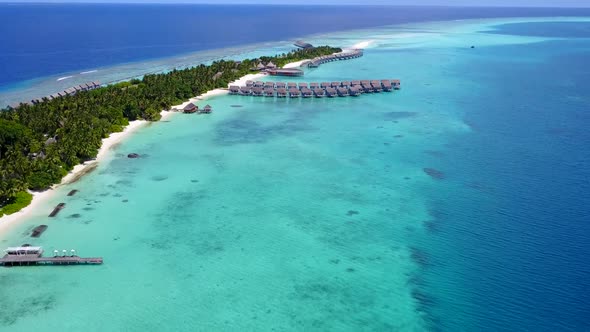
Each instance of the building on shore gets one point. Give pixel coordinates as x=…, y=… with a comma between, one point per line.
x=292, y=72
x=302, y=44
x=190, y=108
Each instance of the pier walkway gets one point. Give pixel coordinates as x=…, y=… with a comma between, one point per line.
x=19, y=256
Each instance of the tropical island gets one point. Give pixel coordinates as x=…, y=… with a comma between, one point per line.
x=40, y=143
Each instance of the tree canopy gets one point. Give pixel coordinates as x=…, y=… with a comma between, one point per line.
x=40, y=143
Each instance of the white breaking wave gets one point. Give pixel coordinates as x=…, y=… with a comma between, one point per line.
x=64, y=78
x=88, y=72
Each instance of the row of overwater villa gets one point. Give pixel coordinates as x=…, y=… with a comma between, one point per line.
x=318, y=90
x=347, y=55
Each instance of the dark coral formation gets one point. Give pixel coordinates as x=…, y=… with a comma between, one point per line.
x=434, y=173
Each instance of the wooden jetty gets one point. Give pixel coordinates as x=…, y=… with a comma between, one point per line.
x=314, y=89
x=57, y=208
x=19, y=256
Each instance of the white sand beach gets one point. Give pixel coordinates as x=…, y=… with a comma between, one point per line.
x=115, y=138
x=78, y=171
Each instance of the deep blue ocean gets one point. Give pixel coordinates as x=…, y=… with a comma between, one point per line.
x=509, y=227
x=519, y=225
x=37, y=40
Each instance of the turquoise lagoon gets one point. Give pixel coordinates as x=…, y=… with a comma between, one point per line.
x=310, y=214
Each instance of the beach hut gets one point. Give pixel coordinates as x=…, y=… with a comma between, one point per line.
x=260, y=66
x=190, y=108
x=271, y=65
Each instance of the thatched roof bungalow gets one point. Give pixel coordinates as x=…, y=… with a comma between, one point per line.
x=207, y=109
x=190, y=108
x=234, y=90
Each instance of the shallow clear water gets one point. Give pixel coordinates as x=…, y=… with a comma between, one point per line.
x=317, y=214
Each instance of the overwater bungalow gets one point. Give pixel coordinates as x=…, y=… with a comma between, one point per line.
x=367, y=88
x=306, y=92
x=335, y=84
x=257, y=91
x=207, y=109
x=269, y=85
x=190, y=108
x=245, y=91
x=342, y=92
x=354, y=91
x=234, y=90
x=345, y=84
x=396, y=84
x=331, y=92
x=291, y=85
x=269, y=92
x=281, y=92
x=319, y=92
x=258, y=84
x=355, y=83
x=280, y=85
x=302, y=85
x=314, y=85
x=249, y=84
x=294, y=93
x=386, y=85
x=325, y=85
x=376, y=85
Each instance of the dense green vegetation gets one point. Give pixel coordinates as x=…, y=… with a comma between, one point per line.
x=16, y=203
x=40, y=143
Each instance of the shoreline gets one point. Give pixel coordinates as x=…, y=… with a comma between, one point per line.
x=80, y=170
